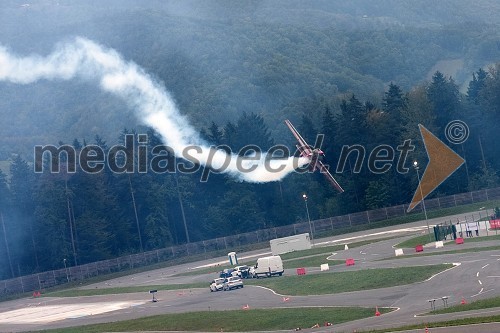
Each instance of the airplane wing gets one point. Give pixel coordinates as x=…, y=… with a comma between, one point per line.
x=307, y=151
x=324, y=170
x=304, y=148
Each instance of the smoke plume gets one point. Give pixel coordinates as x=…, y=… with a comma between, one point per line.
x=153, y=105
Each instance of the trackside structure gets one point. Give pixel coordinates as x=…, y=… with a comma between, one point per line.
x=290, y=244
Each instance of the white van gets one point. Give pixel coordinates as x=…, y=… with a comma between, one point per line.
x=268, y=266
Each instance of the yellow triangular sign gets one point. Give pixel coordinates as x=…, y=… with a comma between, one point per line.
x=443, y=162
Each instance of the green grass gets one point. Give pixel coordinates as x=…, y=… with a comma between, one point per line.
x=419, y=240
x=422, y=254
x=394, y=221
x=288, y=258
x=122, y=290
x=477, y=305
x=313, y=261
x=413, y=217
x=380, y=224
x=213, y=269
x=331, y=283
x=315, y=284
x=328, y=250
x=454, y=322
x=424, y=239
x=234, y=321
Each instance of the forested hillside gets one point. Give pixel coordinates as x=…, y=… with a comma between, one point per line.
x=353, y=71
x=269, y=58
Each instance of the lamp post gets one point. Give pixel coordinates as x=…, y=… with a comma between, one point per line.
x=415, y=165
x=66, y=269
x=308, y=218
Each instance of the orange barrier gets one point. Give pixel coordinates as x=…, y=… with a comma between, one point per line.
x=495, y=224
x=459, y=240
x=301, y=271
x=419, y=248
x=349, y=262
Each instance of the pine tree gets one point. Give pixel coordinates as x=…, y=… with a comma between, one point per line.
x=251, y=130
x=21, y=186
x=476, y=85
x=215, y=135
x=5, y=246
x=394, y=100
x=444, y=95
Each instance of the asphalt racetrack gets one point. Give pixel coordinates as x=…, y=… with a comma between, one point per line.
x=474, y=276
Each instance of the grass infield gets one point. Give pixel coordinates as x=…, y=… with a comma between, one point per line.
x=313, y=284
x=332, y=283
x=234, y=320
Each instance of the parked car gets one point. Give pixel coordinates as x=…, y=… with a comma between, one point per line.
x=233, y=282
x=268, y=266
x=217, y=284
x=243, y=271
x=226, y=273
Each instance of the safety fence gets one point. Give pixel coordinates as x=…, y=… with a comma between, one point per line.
x=41, y=281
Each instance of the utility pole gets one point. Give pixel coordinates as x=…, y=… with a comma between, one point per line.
x=182, y=208
x=70, y=223
x=415, y=165
x=7, y=246
x=304, y=196
x=135, y=212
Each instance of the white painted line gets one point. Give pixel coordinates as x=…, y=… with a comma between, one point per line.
x=493, y=276
x=485, y=266
x=477, y=274
x=225, y=262
x=446, y=270
x=480, y=282
x=269, y=289
x=482, y=292
x=374, y=234
x=50, y=313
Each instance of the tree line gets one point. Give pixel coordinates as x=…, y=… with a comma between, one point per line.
x=49, y=219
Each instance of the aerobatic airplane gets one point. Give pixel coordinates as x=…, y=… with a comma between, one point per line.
x=314, y=155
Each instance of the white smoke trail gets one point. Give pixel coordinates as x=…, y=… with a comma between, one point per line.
x=153, y=104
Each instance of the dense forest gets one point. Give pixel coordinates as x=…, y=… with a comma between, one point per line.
x=92, y=216
x=361, y=74
x=214, y=57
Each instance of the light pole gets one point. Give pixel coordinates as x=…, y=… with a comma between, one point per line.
x=415, y=165
x=308, y=218
x=66, y=269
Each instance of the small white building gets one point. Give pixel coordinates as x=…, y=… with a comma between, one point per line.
x=290, y=244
